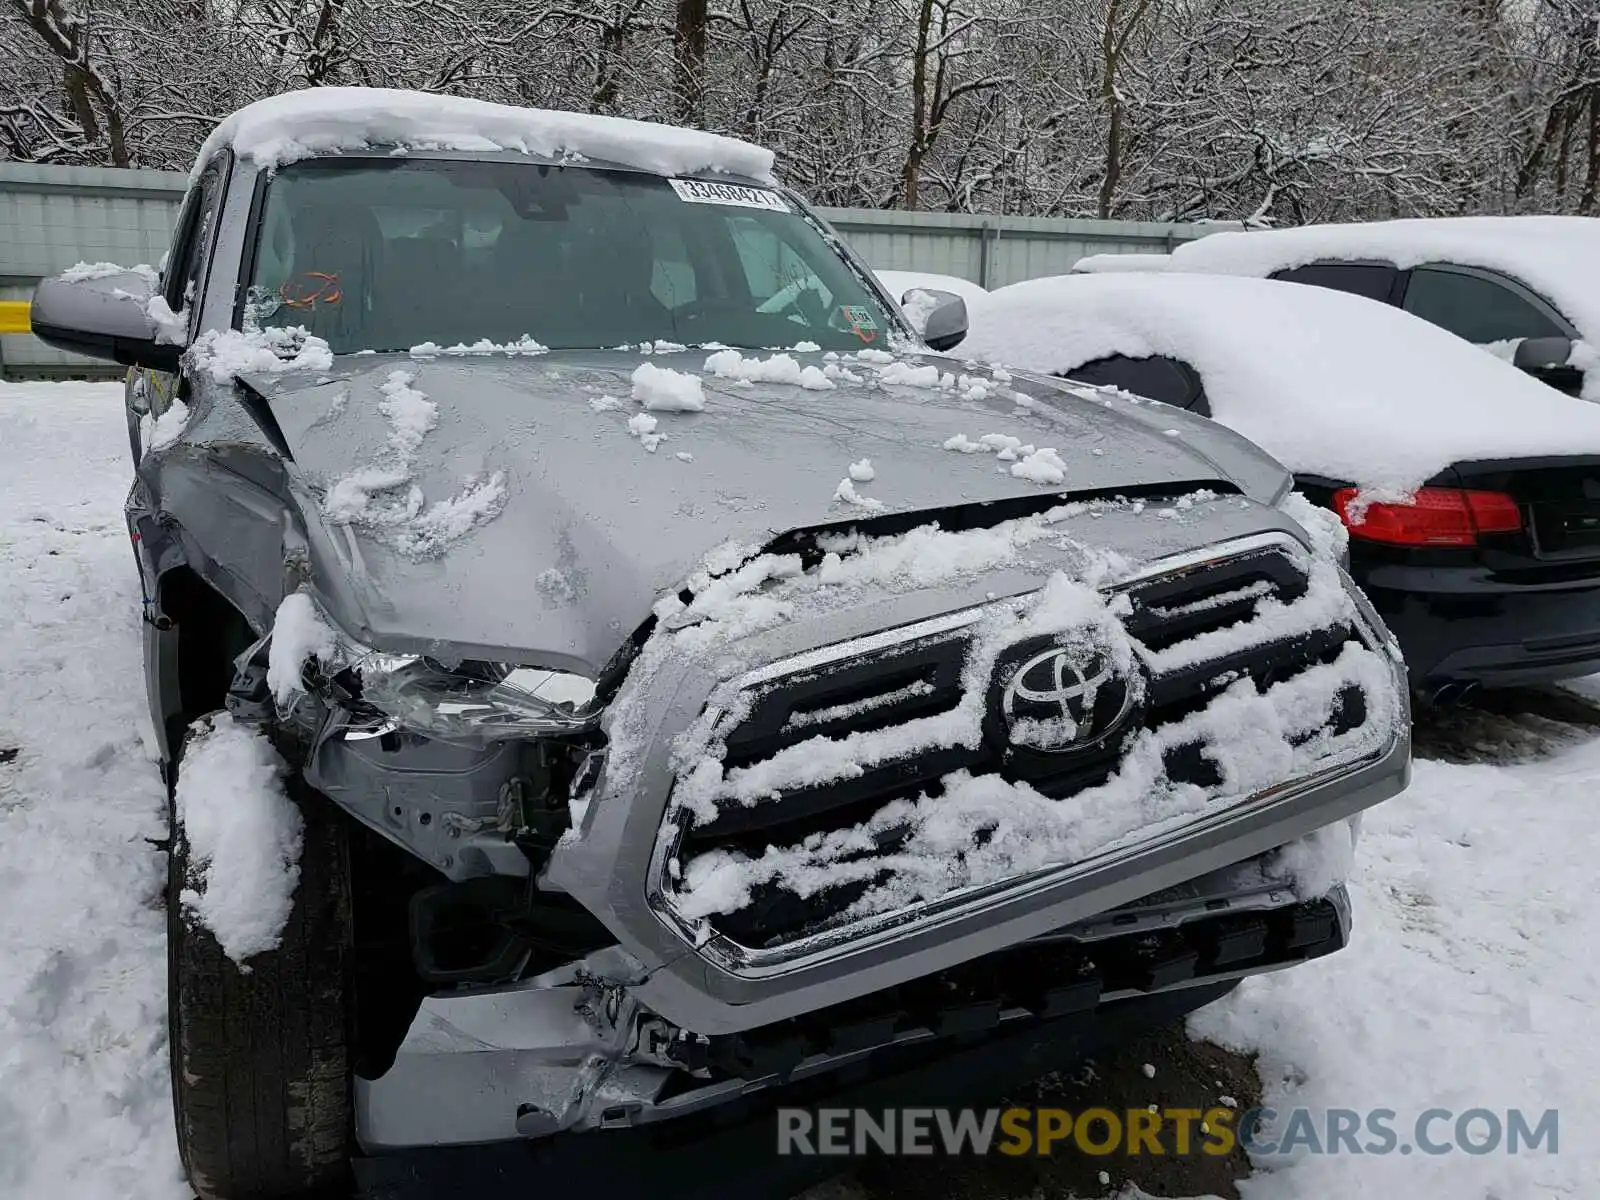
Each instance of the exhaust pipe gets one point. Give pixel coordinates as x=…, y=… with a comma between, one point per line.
x=1446, y=694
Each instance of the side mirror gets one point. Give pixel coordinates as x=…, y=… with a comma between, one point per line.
x=103, y=316
x=1547, y=359
x=940, y=317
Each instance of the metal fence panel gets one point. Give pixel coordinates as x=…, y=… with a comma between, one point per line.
x=52, y=217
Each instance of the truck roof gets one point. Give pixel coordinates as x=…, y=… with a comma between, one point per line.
x=326, y=120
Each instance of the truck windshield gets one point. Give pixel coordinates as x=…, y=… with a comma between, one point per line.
x=385, y=254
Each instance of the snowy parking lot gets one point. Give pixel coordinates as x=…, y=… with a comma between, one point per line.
x=1468, y=986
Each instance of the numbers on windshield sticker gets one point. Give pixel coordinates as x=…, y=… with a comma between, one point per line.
x=861, y=322
x=698, y=191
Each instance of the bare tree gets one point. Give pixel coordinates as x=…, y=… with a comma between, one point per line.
x=1269, y=111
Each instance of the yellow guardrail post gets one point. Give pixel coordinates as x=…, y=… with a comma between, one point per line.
x=14, y=316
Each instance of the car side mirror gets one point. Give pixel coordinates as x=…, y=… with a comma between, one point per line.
x=940, y=317
x=103, y=316
x=1547, y=359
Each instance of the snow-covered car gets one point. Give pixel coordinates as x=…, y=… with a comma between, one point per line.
x=568, y=729
x=1471, y=493
x=1520, y=287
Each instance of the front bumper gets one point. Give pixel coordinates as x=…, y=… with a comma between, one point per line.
x=546, y=1057
x=668, y=1161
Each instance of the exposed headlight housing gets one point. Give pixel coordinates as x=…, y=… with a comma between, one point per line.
x=470, y=701
x=479, y=702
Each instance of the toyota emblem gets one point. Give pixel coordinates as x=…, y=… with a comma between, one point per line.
x=1065, y=698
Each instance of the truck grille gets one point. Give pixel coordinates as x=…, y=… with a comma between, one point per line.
x=924, y=677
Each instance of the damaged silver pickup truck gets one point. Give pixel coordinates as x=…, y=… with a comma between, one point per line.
x=693, y=679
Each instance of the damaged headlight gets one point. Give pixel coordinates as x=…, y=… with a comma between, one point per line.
x=468, y=701
x=478, y=702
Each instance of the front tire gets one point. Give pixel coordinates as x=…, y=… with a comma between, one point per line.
x=261, y=1055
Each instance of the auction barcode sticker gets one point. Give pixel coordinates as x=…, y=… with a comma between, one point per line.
x=698, y=191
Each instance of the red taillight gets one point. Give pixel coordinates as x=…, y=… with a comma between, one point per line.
x=1435, y=517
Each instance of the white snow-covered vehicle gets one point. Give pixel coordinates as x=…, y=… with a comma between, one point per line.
x=669, y=723
x=1520, y=287
x=1471, y=493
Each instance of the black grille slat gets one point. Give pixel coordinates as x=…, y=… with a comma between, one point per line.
x=795, y=812
x=769, y=728
x=1156, y=625
x=928, y=674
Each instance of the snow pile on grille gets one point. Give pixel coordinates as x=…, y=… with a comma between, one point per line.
x=227, y=353
x=1329, y=384
x=383, y=498
x=981, y=828
x=283, y=129
x=244, y=837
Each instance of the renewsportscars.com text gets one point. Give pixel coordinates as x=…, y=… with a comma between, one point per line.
x=1165, y=1131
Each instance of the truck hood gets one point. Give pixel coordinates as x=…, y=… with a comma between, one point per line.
x=589, y=525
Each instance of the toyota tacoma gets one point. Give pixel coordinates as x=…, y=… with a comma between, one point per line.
x=688, y=679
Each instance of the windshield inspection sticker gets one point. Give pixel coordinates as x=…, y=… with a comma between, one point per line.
x=859, y=318
x=698, y=191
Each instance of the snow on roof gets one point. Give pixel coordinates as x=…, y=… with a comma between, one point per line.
x=283, y=129
x=1558, y=257
x=1328, y=383
x=897, y=283
x=1100, y=264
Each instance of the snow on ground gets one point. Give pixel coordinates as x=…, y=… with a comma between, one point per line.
x=84, y=1101
x=1469, y=983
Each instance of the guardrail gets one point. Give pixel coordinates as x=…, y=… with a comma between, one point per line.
x=14, y=316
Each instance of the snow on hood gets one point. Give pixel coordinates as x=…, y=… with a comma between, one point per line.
x=1329, y=384
x=595, y=524
x=897, y=283
x=283, y=129
x=1558, y=257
